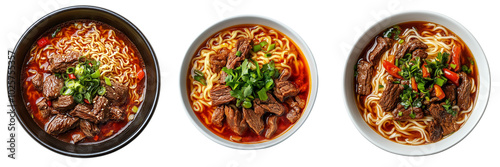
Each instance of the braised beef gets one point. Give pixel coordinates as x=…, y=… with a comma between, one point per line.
x=60, y=62
x=364, y=78
x=88, y=128
x=101, y=108
x=52, y=87
x=219, y=60
x=284, y=88
x=445, y=119
x=116, y=114
x=464, y=90
x=116, y=93
x=296, y=106
x=450, y=91
x=218, y=116
x=243, y=46
x=400, y=113
x=272, y=126
x=390, y=96
x=254, y=118
x=235, y=120
x=435, y=131
x=410, y=46
x=419, y=53
x=221, y=95
x=44, y=108
x=270, y=105
x=64, y=103
x=77, y=137
x=83, y=111
x=382, y=45
x=61, y=123
x=37, y=81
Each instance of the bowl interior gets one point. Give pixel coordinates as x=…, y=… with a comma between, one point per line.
x=152, y=86
x=483, y=91
x=248, y=20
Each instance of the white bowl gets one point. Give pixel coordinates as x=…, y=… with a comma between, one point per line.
x=249, y=20
x=483, y=90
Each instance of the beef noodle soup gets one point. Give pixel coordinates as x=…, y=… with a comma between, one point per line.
x=83, y=81
x=416, y=83
x=248, y=83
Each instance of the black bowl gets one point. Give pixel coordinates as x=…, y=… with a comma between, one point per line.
x=129, y=132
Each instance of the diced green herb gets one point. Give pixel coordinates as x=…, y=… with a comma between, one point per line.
x=135, y=109
x=412, y=115
x=269, y=54
x=400, y=113
x=238, y=53
x=198, y=76
x=380, y=86
x=466, y=69
x=453, y=65
x=271, y=47
x=54, y=34
x=256, y=48
x=401, y=41
x=439, y=81
x=393, y=32
x=262, y=44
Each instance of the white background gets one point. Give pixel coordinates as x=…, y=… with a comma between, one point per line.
x=327, y=138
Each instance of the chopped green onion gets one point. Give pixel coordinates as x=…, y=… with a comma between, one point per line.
x=412, y=115
x=55, y=32
x=269, y=54
x=101, y=91
x=256, y=48
x=440, y=81
x=380, y=86
x=401, y=41
x=262, y=44
x=70, y=70
x=96, y=74
x=68, y=92
x=108, y=82
x=247, y=104
x=400, y=113
x=135, y=109
x=238, y=53
x=262, y=94
x=271, y=47
x=453, y=65
x=466, y=69
x=78, y=98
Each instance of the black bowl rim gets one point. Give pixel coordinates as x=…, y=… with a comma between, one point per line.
x=151, y=111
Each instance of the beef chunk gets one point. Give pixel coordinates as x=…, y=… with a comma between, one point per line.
x=88, y=128
x=83, y=111
x=410, y=46
x=382, y=45
x=60, y=62
x=464, y=99
x=446, y=120
x=116, y=93
x=284, y=88
x=218, y=116
x=450, y=91
x=254, y=118
x=61, y=123
x=235, y=120
x=272, y=126
x=435, y=131
x=296, y=107
x=52, y=87
x=390, y=96
x=64, y=103
x=221, y=95
x=101, y=108
x=364, y=78
x=77, y=137
x=400, y=113
x=270, y=105
x=44, y=108
x=37, y=81
x=116, y=114
x=419, y=53
x=219, y=60
x=243, y=46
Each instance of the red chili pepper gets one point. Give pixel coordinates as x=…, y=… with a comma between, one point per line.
x=90, y=64
x=96, y=137
x=71, y=76
x=49, y=103
x=455, y=58
x=439, y=92
x=42, y=42
x=452, y=76
x=425, y=72
x=86, y=101
x=140, y=74
x=392, y=69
